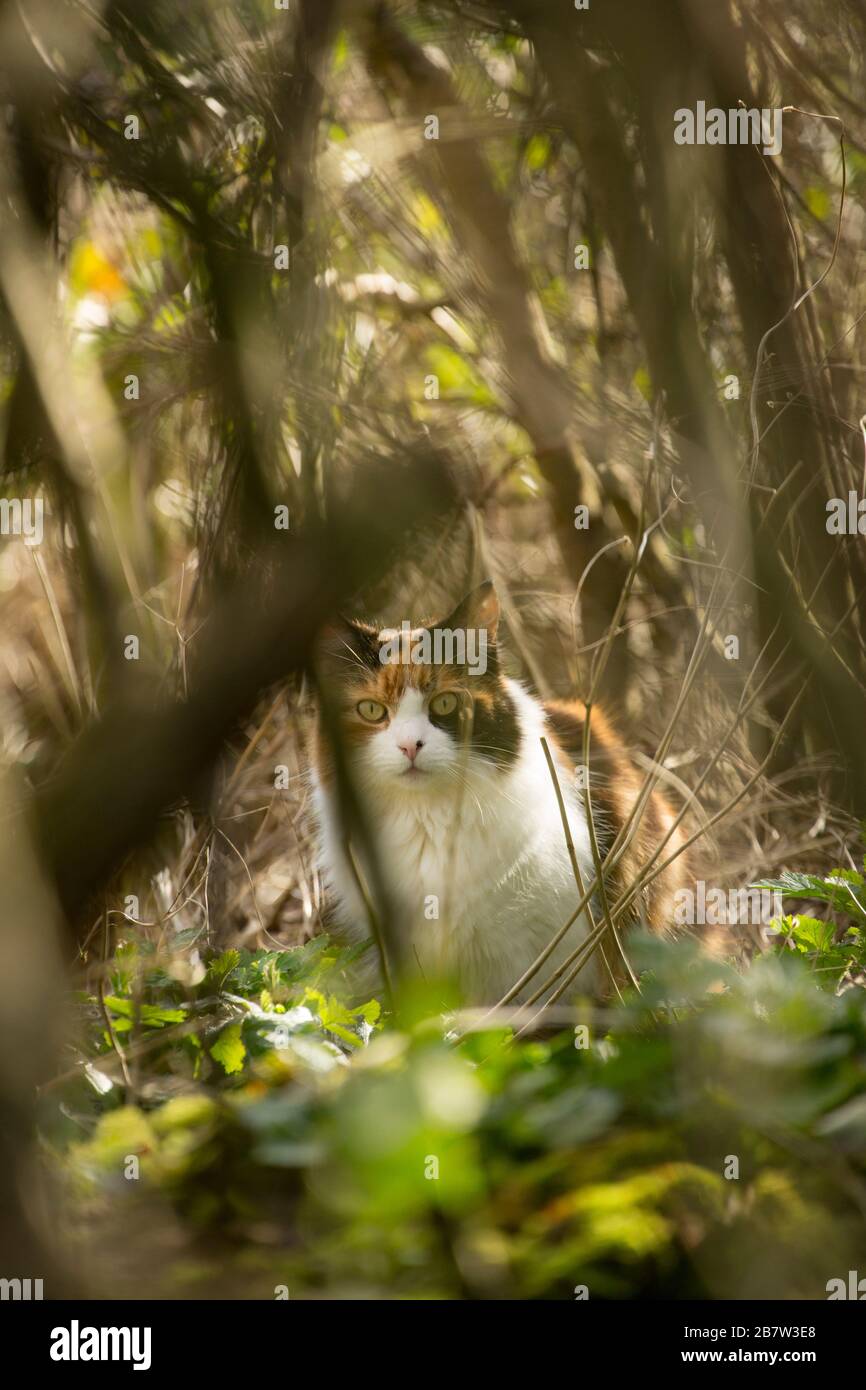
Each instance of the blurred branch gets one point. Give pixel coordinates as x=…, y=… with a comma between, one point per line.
x=143, y=756
x=541, y=392
x=659, y=294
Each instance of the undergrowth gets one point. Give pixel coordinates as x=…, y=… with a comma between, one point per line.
x=253, y=1134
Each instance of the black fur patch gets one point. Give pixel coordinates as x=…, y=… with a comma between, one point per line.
x=494, y=732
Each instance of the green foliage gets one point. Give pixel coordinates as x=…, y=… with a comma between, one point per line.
x=836, y=954
x=457, y=377
x=229, y=1049
x=249, y=1004
x=495, y=1167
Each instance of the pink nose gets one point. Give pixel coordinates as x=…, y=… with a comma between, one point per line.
x=411, y=748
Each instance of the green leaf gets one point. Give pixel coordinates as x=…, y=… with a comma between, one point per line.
x=148, y=1014
x=222, y=966
x=458, y=379
x=538, y=152
x=370, y=1011
x=818, y=202
x=642, y=381
x=814, y=933
x=838, y=889
x=229, y=1049
x=183, y=1112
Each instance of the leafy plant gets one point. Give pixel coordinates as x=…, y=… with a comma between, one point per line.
x=837, y=954
x=708, y=1142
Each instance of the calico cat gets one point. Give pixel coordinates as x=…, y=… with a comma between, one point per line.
x=446, y=763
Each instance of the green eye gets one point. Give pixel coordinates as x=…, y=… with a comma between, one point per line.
x=372, y=711
x=443, y=704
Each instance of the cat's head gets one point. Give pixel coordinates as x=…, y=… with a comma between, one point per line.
x=420, y=706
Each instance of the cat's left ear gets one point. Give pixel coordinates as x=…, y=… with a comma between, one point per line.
x=480, y=608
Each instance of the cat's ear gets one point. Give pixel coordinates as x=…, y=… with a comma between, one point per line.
x=479, y=609
x=346, y=645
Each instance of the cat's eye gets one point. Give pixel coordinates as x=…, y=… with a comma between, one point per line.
x=444, y=703
x=372, y=711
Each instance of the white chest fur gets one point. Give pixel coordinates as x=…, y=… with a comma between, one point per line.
x=480, y=877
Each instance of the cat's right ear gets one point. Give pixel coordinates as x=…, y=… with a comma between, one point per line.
x=346, y=645
x=480, y=608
